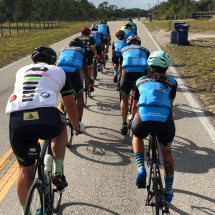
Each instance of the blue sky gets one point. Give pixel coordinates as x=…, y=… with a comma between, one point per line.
x=142, y=4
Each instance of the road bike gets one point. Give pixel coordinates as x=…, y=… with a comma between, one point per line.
x=155, y=196
x=42, y=199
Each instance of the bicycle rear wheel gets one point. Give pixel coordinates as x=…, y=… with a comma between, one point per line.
x=95, y=70
x=69, y=133
x=155, y=186
x=34, y=202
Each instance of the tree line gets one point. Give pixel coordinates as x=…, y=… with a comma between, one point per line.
x=177, y=7
x=76, y=9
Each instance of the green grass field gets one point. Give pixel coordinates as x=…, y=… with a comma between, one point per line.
x=196, y=25
x=19, y=45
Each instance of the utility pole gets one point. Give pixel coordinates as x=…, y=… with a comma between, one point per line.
x=149, y=6
x=185, y=9
x=158, y=9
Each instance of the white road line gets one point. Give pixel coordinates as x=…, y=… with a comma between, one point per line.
x=206, y=121
x=12, y=64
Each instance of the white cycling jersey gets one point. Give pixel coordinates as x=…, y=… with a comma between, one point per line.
x=37, y=85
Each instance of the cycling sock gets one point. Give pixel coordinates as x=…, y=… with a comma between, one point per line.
x=139, y=157
x=23, y=210
x=58, y=164
x=115, y=71
x=168, y=183
x=125, y=123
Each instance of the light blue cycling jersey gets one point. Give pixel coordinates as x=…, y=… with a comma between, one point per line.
x=135, y=27
x=103, y=29
x=128, y=32
x=71, y=58
x=135, y=58
x=118, y=46
x=97, y=37
x=154, y=102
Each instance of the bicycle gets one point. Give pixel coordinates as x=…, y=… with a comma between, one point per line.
x=41, y=196
x=155, y=187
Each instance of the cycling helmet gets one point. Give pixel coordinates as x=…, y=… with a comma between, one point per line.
x=133, y=39
x=102, y=22
x=76, y=42
x=85, y=31
x=159, y=59
x=130, y=19
x=128, y=23
x=105, y=21
x=120, y=34
x=44, y=54
x=94, y=27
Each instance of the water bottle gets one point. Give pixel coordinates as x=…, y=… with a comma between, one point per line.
x=47, y=169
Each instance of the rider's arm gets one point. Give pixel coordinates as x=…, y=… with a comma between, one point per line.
x=113, y=48
x=172, y=96
x=136, y=97
x=108, y=35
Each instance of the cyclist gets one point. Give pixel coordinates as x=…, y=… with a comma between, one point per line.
x=98, y=37
x=104, y=29
x=153, y=105
x=133, y=60
x=33, y=113
x=134, y=26
x=89, y=46
x=71, y=60
x=128, y=29
x=118, y=44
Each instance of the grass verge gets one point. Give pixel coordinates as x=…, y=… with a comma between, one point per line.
x=196, y=25
x=20, y=45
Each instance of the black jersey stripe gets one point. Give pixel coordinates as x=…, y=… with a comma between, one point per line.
x=27, y=100
x=30, y=82
x=33, y=75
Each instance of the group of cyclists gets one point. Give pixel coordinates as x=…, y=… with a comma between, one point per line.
x=33, y=104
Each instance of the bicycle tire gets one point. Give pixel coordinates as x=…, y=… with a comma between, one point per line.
x=69, y=134
x=56, y=206
x=95, y=70
x=155, y=185
x=31, y=206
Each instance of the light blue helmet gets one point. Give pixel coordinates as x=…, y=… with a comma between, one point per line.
x=159, y=58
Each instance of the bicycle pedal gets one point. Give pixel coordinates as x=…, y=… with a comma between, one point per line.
x=59, y=190
x=141, y=186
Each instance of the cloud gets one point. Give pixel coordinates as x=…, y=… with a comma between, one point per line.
x=128, y=4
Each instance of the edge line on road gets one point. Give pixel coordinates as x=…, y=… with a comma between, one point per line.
x=206, y=121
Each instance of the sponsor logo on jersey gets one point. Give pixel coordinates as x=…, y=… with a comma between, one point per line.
x=38, y=73
x=45, y=95
x=28, y=90
x=30, y=116
x=13, y=98
x=27, y=96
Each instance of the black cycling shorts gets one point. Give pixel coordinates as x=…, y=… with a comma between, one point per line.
x=115, y=59
x=90, y=58
x=167, y=129
x=45, y=123
x=106, y=41
x=75, y=79
x=99, y=50
x=127, y=80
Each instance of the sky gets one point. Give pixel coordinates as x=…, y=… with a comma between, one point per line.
x=142, y=4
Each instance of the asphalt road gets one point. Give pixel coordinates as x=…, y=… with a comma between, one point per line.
x=100, y=167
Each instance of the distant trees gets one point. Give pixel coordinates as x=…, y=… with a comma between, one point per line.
x=82, y=9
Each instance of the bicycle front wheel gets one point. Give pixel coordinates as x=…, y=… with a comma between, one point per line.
x=34, y=202
x=155, y=185
x=69, y=133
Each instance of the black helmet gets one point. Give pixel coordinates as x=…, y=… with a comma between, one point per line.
x=94, y=27
x=130, y=19
x=44, y=54
x=120, y=34
x=105, y=21
x=76, y=42
x=102, y=22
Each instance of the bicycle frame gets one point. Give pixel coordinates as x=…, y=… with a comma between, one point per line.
x=154, y=161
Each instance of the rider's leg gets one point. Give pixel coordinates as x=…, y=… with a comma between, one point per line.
x=23, y=182
x=80, y=104
x=124, y=107
x=91, y=72
x=115, y=72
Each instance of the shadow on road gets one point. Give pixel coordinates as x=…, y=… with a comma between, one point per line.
x=86, y=205
x=190, y=158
